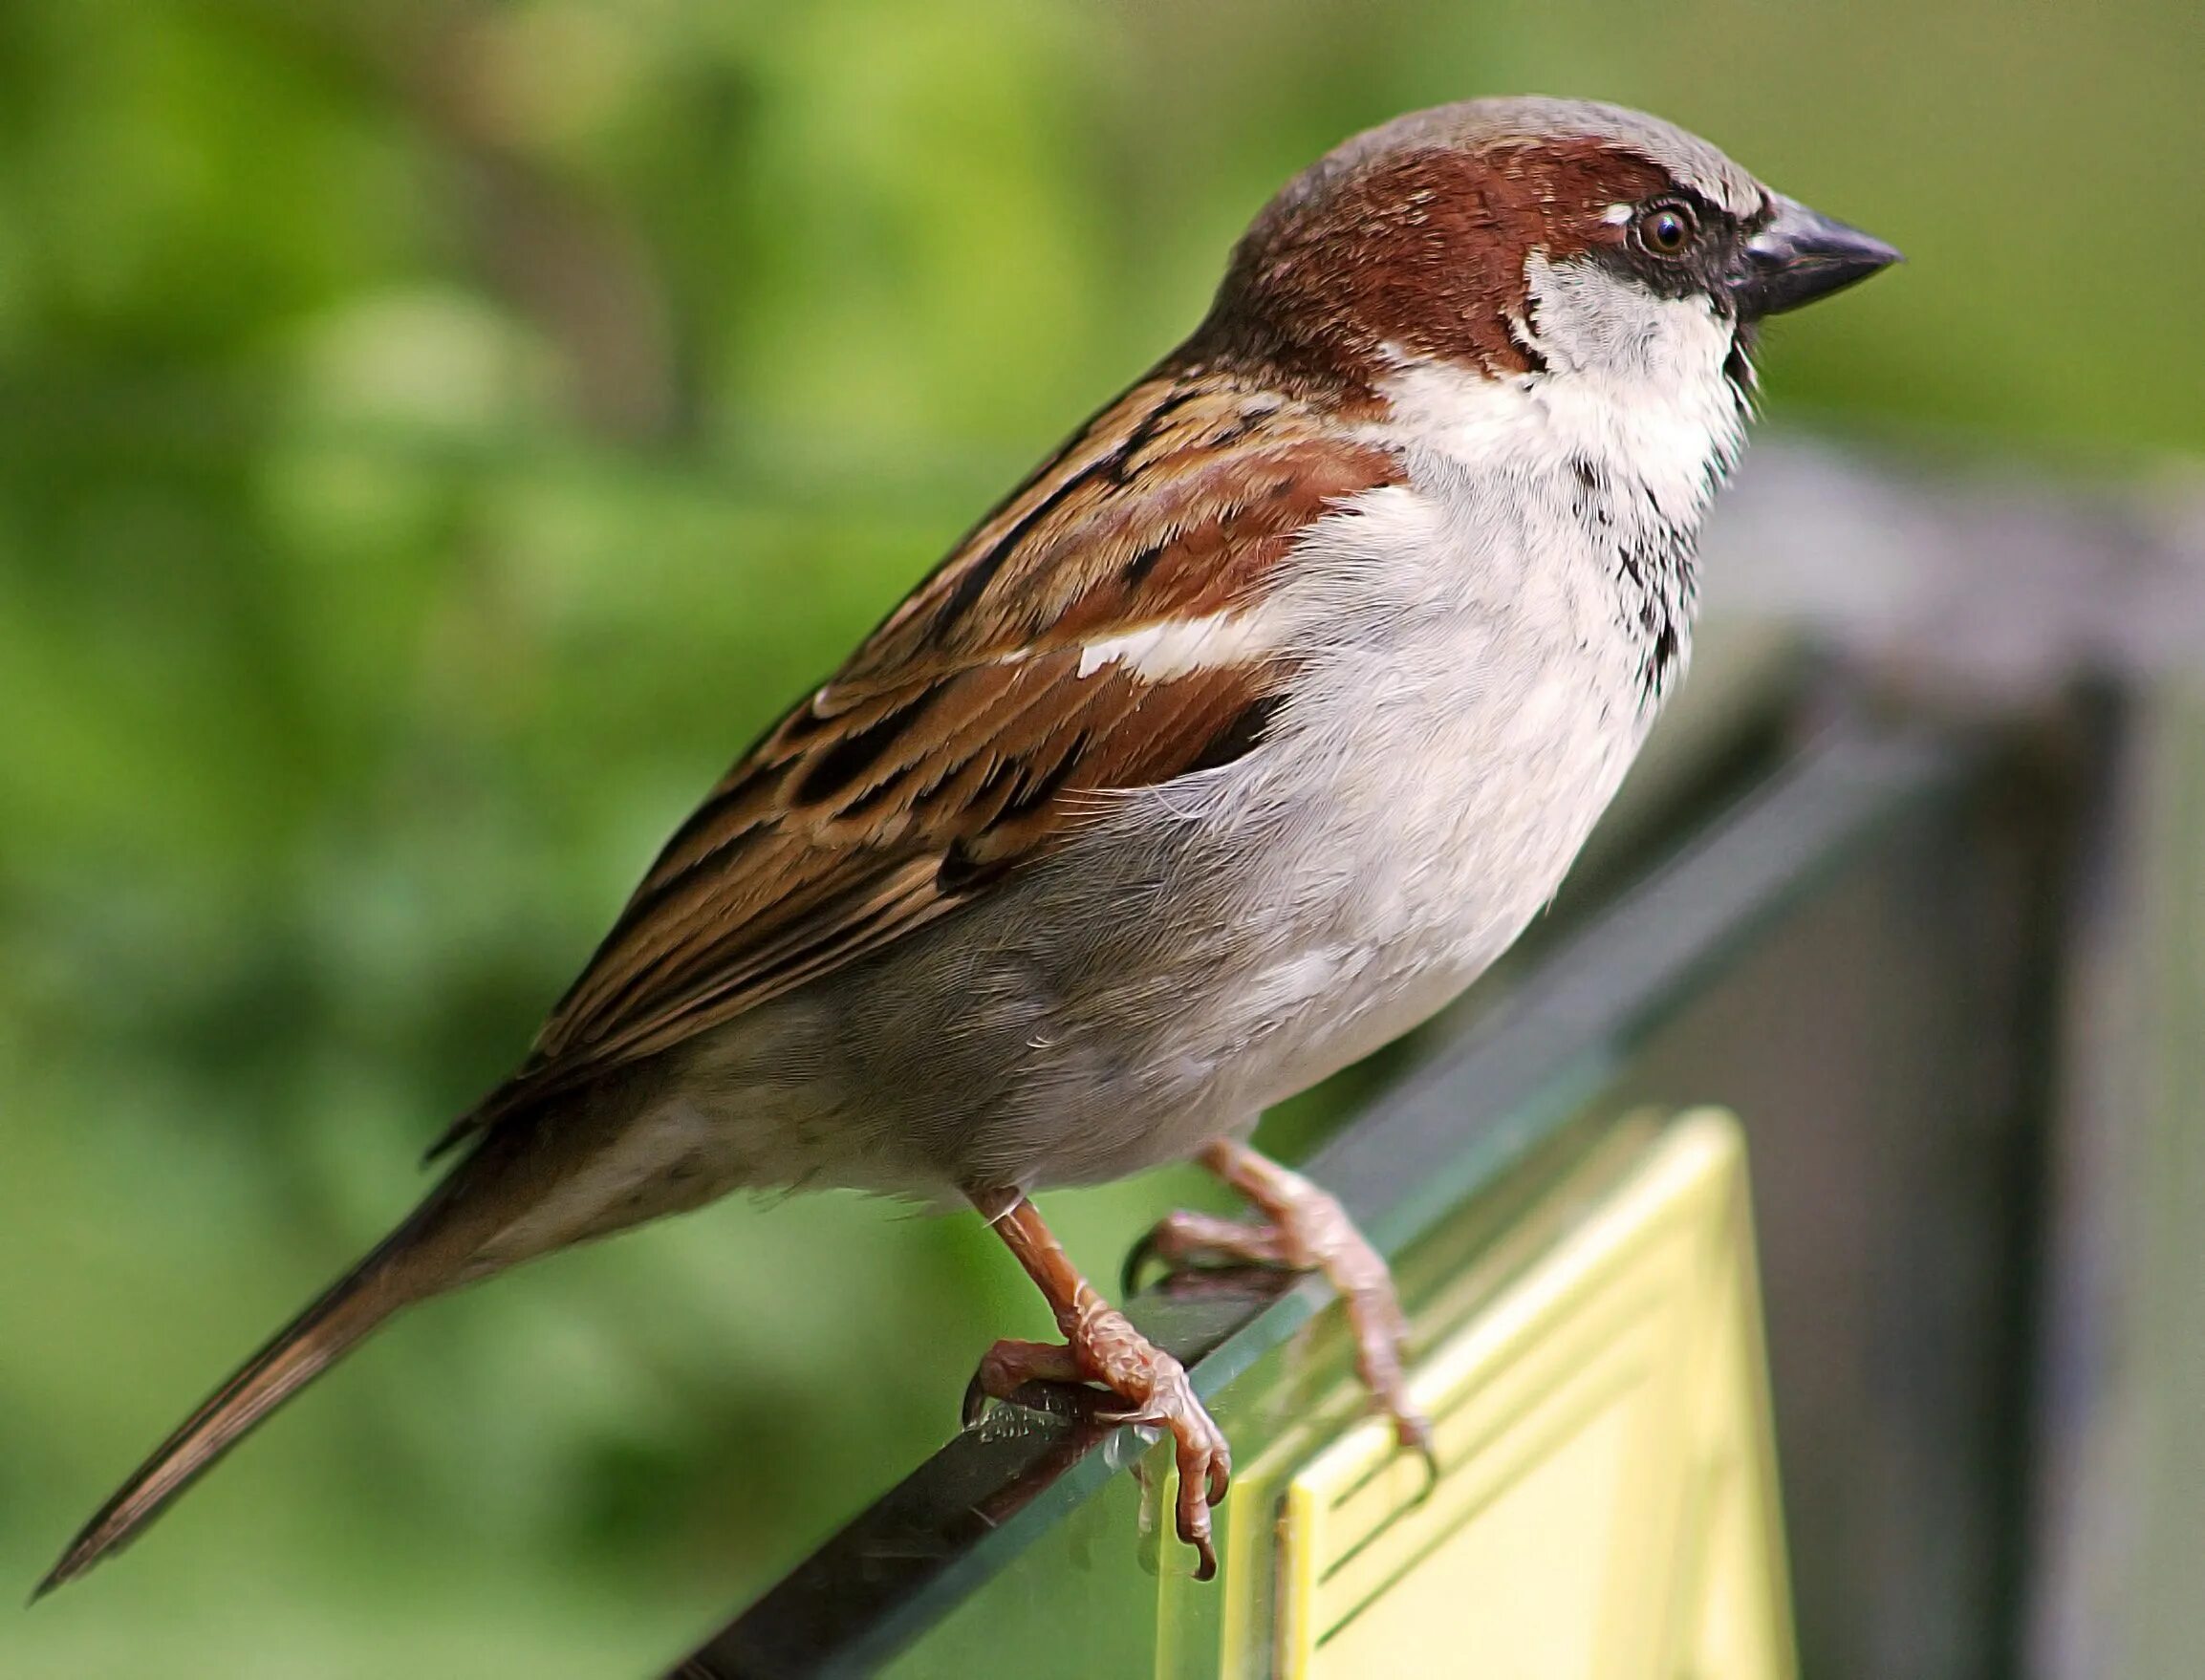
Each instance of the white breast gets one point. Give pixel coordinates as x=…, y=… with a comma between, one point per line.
x=1475, y=651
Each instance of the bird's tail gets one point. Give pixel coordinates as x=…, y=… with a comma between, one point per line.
x=414, y=1261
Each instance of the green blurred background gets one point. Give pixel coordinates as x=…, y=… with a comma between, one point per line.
x=435, y=436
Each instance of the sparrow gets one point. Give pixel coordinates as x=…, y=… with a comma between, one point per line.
x=1235, y=740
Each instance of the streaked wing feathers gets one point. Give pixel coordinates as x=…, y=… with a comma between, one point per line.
x=1060, y=649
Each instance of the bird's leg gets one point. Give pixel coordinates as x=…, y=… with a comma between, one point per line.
x=1101, y=1346
x=1304, y=1229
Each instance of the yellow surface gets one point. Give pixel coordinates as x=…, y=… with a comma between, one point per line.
x=1605, y=1509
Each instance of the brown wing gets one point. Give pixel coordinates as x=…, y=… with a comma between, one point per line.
x=957, y=741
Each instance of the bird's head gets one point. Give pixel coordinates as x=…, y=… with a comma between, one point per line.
x=1524, y=238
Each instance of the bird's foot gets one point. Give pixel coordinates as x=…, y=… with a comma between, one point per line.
x=1150, y=1388
x=1305, y=1228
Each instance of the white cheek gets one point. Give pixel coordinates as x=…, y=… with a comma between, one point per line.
x=1590, y=320
x=1634, y=386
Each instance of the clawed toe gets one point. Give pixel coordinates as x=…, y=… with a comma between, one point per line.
x=1052, y=1397
x=1381, y=1335
x=1136, y=1261
x=1187, y=1240
x=1203, y=1460
x=1204, y=1477
x=1413, y=1433
x=1041, y=1376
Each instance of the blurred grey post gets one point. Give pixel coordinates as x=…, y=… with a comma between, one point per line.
x=1991, y=592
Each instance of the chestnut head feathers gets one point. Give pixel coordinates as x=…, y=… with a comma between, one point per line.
x=1418, y=239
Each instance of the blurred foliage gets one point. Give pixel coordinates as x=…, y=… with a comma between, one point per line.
x=435, y=434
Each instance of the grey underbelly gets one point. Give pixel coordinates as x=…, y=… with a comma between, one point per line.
x=1137, y=995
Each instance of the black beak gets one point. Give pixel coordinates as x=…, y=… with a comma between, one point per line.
x=1800, y=256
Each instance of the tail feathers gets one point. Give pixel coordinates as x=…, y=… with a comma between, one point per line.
x=299, y=1352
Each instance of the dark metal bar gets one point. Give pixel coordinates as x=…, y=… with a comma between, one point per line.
x=1477, y=1106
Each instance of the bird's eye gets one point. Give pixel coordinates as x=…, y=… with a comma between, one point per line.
x=1666, y=230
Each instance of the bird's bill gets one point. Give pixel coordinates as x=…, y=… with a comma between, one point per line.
x=1801, y=255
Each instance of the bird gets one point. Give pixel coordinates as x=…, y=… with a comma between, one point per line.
x=1236, y=740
